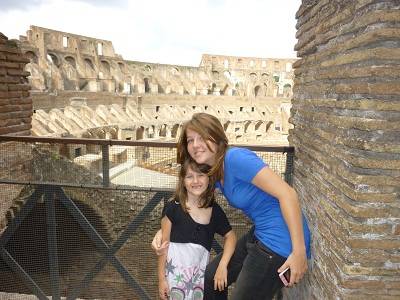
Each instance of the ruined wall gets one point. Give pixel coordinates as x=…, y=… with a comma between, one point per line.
x=70, y=62
x=15, y=118
x=262, y=76
x=346, y=117
x=15, y=103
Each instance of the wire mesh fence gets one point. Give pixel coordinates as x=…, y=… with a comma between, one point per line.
x=77, y=216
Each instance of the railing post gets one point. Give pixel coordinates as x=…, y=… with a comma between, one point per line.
x=52, y=243
x=289, y=168
x=106, y=164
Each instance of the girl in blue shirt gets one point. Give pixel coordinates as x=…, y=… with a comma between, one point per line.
x=280, y=237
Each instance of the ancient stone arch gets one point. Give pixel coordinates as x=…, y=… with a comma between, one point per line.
x=89, y=66
x=53, y=59
x=105, y=67
x=139, y=133
x=71, y=61
x=174, y=130
x=146, y=85
x=122, y=67
x=32, y=56
x=287, y=90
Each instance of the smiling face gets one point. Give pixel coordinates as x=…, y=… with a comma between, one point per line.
x=196, y=183
x=202, y=151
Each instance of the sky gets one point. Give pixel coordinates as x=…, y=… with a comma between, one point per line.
x=165, y=31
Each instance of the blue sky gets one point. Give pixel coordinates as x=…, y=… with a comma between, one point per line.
x=165, y=31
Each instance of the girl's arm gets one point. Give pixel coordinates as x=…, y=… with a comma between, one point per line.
x=274, y=185
x=158, y=245
x=163, y=288
x=221, y=275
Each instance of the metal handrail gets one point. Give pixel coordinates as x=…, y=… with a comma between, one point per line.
x=113, y=142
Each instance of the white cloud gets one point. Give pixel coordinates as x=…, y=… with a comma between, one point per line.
x=174, y=31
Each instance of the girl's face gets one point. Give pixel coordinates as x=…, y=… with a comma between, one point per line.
x=195, y=183
x=198, y=150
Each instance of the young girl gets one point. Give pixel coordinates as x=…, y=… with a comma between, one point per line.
x=188, y=224
x=280, y=237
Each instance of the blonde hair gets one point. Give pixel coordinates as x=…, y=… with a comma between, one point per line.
x=210, y=129
x=207, y=198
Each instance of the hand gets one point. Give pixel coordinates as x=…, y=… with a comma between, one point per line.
x=221, y=278
x=163, y=289
x=158, y=247
x=297, y=262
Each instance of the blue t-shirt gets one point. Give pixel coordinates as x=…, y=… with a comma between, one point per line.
x=240, y=167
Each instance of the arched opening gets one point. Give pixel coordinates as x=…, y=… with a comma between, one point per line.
x=226, y=125
x=258, y=124
x=32, y=56
x=70, y=60
x=287, y=90
x=89, y=64
x=53, y=59
x=246, y=126
x=253, y=76
x=122, y=67
x=163, y=130
x=212, y=89
x=146, y=85
x=139, y=133
x=256, y=90
x=105, y=67
x=264, y=76
x=215, y=75
x=174, y=130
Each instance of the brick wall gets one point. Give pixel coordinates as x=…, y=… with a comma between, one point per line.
x=15, y=102
x=15, y=119
x=346, y=117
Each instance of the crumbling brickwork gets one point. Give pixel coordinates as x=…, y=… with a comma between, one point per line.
x=15, y=117
x=346, y=117
x=15, y=102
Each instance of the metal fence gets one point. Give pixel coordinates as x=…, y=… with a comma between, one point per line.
x=77, y=216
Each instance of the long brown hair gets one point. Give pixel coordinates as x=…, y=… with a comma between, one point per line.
x=210, y=129
x=207, y=198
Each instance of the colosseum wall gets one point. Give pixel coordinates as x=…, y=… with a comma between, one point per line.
x=73, y=76
x=346, y=117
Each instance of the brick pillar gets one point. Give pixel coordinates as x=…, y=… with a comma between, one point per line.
x=346, y=117
x=15, y=101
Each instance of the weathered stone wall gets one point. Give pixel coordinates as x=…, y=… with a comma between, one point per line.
x=346, y=117
x=70, y=62
x=15, y=103
x=62, y=99
x=15, y=118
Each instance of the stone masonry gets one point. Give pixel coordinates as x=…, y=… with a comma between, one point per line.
x=15, y=102
x=15, y=118
x=346, y=117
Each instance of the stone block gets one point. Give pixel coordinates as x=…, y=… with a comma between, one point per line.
x=17, y=58
x=19, y=87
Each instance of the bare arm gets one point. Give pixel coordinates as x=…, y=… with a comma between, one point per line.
x=271, y=183
x=221, y=274
x=159, y=246
x=163, y=287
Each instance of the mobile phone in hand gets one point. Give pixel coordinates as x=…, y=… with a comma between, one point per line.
x=285, y=276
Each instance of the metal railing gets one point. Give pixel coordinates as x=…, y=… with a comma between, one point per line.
x=85, y=226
